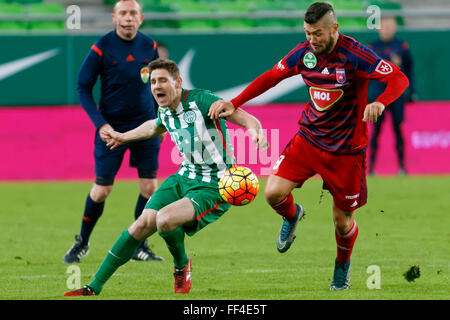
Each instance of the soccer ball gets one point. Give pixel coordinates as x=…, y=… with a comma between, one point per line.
x=238, y=186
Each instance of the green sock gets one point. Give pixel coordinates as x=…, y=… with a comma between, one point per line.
x=175, y=242
x=122, y=251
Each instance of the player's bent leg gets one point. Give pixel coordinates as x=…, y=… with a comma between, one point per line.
x=143, y=252
x=343, y=220
x=169, y=222
x=277, y=189
x=144, y=226
x=182, y=262
x=278, y=195
x=147, y=186
x=141, y=229
x=178, y=213
x=346, y=231
x=286, y=235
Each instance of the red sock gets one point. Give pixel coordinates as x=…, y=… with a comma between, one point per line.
x=345, y=243
x=286, y=207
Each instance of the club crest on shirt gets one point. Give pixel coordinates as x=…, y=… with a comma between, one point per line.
x=383, y=67
x=323, y=99
x=145, y=74
x=189, y=116
x=340, y=75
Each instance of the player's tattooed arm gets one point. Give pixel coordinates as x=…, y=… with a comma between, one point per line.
x=147, y=130
x=253, y=126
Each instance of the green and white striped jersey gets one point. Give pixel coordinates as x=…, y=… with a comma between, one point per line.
x=203, y=143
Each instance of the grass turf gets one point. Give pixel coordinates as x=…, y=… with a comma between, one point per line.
x=404, y=223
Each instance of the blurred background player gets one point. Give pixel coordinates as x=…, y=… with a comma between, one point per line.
x=188, y=200
x=397, y=51
x=120, y=58
x=332, y=135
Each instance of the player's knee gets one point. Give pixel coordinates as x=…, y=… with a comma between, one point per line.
x=343, y=226
x=100, y=193
x=273, y=195
x=343, y=220
x=163, y=222
x=141, y=228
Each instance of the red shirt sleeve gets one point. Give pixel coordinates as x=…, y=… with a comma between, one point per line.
x=395, y=80
x=264, y=82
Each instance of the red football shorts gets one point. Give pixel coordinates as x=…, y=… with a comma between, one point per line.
x=343, y=175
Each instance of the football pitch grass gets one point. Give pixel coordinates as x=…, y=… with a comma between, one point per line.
x=405, y=223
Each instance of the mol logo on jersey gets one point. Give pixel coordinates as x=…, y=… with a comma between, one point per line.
x=324, y=98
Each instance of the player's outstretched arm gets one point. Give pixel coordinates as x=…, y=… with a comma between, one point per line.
x=253, y=126
x=147, y=130
x=261, y=84
x=220, y=109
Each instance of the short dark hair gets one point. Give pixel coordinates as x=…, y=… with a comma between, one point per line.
x=316, y=11
x=166, y=64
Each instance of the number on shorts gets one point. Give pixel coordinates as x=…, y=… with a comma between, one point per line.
x=277, y=165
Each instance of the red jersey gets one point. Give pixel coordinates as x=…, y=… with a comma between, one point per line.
x=337, y=83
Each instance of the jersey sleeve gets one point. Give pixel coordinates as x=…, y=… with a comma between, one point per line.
x=370, y=66
x=364, y=59
x=87, y=77
x=159, y=122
